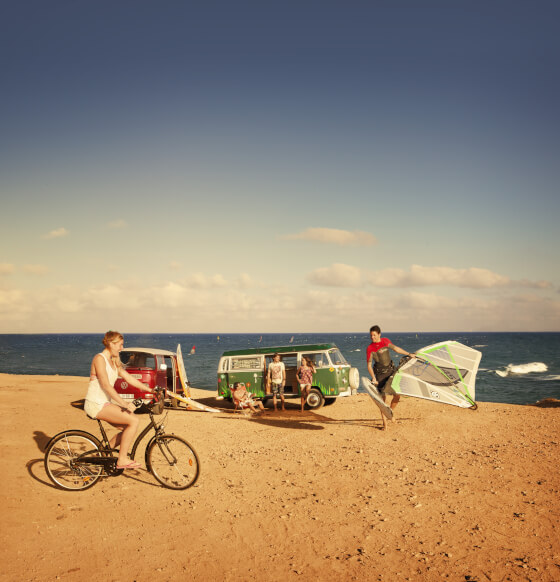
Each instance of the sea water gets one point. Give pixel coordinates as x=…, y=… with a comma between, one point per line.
x=516, y=368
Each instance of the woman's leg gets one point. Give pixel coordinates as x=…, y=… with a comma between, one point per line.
x=304, y=392
x=124, y=420
x=115, y=441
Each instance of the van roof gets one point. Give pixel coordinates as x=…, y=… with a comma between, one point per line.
x=280, y=349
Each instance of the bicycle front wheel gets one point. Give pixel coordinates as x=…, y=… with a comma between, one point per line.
x=63, y=464
x=173, y=462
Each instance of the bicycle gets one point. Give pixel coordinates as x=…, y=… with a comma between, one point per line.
x=76, y=460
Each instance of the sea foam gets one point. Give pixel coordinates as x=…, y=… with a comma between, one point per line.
x=519, y=369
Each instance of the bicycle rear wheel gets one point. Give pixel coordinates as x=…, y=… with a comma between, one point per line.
x=62, y=460
x=173, y=462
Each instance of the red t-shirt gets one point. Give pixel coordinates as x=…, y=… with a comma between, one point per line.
x=376, y=346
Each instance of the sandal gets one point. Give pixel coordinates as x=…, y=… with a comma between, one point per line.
x=131, y=465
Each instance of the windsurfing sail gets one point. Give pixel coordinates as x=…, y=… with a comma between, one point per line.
x=443, y=372
x=193, y=350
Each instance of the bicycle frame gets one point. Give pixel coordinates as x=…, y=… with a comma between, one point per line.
x=158, y=428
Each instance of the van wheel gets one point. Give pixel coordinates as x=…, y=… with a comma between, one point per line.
x=354, y=378
x=315, y=399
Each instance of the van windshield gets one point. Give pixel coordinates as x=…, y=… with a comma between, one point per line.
x=320, y=360
x=337, y=358
x=246, y=363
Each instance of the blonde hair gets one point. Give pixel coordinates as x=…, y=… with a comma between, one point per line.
x=112, y=336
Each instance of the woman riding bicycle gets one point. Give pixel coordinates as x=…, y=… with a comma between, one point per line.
x=103, y=401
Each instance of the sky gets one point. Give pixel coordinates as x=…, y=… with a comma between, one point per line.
x=310, y=166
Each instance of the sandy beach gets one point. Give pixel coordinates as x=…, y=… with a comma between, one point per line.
x=443, y=493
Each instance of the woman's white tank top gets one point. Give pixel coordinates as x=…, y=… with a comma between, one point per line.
x=95, y=393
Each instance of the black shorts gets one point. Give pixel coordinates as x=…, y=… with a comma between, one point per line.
x=384, y=379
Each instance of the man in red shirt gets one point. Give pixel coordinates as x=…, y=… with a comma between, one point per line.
x=380, y=365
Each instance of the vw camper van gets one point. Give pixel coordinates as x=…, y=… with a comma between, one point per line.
x=333, y=377
x=153, y=367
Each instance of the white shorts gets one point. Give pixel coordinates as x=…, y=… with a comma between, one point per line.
x=92, y=408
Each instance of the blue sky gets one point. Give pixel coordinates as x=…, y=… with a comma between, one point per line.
x=279, y=167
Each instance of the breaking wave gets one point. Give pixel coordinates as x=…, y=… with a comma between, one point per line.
x=519, y=369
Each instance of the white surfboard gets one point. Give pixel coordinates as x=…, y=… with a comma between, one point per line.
x=186, y=399
x=372, y=391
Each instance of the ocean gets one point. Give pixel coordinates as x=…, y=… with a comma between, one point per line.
x=516, y=368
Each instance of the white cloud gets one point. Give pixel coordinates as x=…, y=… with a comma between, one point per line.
x=340, y=275
x=337, y=275
x=6, y=268
x=57, y=233
x=335, y=236
x=419, y=276
x=176, y=307
x=244, y=281
x=202, y=281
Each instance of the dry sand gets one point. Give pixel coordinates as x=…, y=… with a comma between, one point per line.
x=443, y=493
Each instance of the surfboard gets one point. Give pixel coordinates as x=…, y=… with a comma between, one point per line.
x=187, y=400
x=373, y=393
x=182, y=371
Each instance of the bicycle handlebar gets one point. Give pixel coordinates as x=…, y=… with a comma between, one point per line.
x=138, y=402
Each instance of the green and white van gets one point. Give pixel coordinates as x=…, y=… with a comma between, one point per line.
x=333, y=377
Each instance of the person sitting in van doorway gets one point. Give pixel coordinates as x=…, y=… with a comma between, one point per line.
x=380, y=365
x=305, y=378
x=277, y=380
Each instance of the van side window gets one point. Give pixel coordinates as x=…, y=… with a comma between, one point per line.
x=246, y=363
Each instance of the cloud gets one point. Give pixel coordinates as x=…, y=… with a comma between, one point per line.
x=6, y=268
x=120, y=223
x=419, y=276
x=335, y=236
x=57, y=233
x=340, y=275
x=337, y=275
x=202, y=281
x=174, y=307
x=35, y=269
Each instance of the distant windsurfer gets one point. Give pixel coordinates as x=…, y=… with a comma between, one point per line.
x=380, y=365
